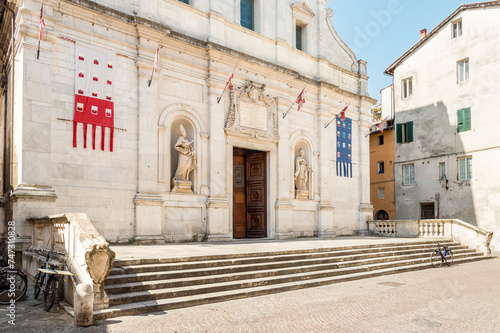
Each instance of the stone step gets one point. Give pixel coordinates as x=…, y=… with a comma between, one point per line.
x=141, y=284
x=264, y=259
x=293, y=275
x=351, y=249
x=201, y=271
x=212, y=296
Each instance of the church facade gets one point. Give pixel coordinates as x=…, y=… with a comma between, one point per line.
x=185, y=120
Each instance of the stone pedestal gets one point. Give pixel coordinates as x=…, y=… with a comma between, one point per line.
x=302, y=194
x=84, y=305
x=181, y=186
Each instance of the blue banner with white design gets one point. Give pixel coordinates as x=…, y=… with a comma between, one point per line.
x=344, y=147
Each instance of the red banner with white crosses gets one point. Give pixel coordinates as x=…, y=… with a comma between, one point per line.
x=94, y=93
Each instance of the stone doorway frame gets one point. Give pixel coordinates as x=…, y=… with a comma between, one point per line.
x=272, y=193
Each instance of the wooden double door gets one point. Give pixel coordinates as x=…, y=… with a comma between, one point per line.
x=249, y=194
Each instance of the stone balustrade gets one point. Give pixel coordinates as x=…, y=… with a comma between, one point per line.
x=431, y=228
x=386, y=228
x=460, y=231
x=73, y=239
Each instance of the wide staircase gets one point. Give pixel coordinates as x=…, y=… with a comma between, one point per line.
x=148, y=285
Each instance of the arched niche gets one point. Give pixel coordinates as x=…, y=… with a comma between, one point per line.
x=175, y=134
x=301, y=140
x=168, y=134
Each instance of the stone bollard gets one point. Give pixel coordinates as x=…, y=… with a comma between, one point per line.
x=84, y=305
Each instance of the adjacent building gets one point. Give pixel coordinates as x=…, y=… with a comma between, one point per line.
x=173, y=120
x=382, y=142
x=447, y=138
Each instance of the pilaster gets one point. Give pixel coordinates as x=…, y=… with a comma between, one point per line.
x=284, y=218
x=218, y=212
x=365, y=207
x=148, y=201
x=30, y=131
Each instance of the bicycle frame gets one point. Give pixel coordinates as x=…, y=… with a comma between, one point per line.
x=443, y=255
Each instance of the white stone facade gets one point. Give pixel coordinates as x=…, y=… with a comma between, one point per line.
x=127, y=193
x=438, y=94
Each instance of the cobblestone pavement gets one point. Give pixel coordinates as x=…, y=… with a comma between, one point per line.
x=461, y=298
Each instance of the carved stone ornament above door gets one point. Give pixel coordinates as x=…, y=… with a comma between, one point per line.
x=253, y=113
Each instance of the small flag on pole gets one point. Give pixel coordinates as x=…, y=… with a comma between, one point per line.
x=229, y=78
x=155, y=64
x=381, y=126
x=228, y=84
x=342, y=113
x=301, y=99
x=41, y=24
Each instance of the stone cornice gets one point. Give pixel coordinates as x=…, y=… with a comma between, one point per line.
x=33, y=193
x=148, y=199
x=217, y=203
x=138, y=20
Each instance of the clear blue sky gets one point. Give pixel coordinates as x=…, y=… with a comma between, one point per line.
x=380, y=31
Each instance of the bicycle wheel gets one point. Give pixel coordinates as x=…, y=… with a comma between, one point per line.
x=39, y=281
x=14, y=285
x=449, y=257
x=436, y=259
x=50, y=294
x=4, y=288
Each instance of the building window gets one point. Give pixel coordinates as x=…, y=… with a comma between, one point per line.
x=247, y=14
x=442, y=171
x=380, y=140
x=381, y=192
x=457, y=29
x=427, y=211
x=463, y=120
x=185, y=1
x=299, y=33
x=464, y=168
x=408, y=174
x=404, y=132
x=406, y=87
x=463, y=70
x=380, y=167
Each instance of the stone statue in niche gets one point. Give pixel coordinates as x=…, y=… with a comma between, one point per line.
x=186, y=163
x=302, y=173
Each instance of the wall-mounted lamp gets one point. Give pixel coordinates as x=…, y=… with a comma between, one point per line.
x=445, y=179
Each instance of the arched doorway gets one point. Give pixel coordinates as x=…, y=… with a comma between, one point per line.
x=381, y=215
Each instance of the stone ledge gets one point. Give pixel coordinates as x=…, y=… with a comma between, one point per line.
x=148, y=199
x=33, y=193
x=217, y=203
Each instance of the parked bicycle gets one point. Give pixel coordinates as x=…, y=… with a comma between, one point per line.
x=13, y=284
x=41, y=278
x=47, y=280
x=439, y=256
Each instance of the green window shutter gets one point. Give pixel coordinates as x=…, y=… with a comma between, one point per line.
x=399, y=133
x=409, y=131
x=467, y=119
x=460, y=120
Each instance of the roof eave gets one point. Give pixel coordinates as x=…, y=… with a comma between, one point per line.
x=390, y=70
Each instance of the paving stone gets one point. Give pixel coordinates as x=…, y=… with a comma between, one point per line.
x=460, y=298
